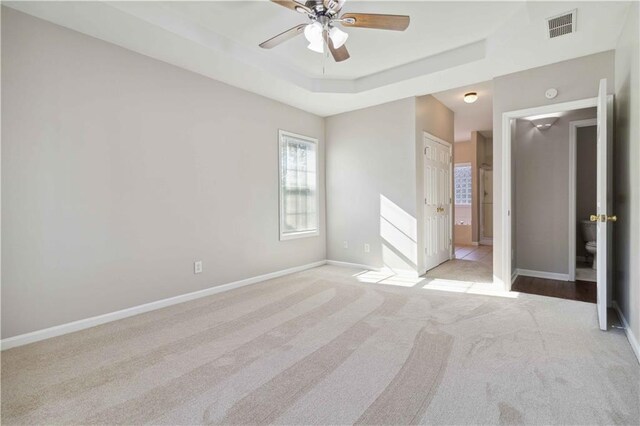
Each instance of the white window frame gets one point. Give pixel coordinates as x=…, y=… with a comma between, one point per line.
x=302, y=234
x=455, y=199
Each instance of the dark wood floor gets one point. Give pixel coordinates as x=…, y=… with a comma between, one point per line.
x=583, y=291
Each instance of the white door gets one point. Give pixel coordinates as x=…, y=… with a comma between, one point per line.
x=437, y=201
x=604, y=216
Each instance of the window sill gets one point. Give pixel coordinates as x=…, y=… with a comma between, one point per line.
x=296, y=235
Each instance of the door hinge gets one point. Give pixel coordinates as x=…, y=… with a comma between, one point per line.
x=425, y=201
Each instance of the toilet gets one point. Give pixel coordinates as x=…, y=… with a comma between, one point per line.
x=589, y=232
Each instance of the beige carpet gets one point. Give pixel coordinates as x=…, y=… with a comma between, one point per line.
x=321, y=347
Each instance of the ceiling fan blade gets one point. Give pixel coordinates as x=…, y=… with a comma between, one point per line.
x=294, y=5
x=282, y=37
x=380, y=22
x=340, y=54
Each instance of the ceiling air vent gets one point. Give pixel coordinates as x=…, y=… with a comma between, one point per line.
x=562, y=24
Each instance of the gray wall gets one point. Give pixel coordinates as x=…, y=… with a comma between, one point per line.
x=118, y=171
x=375, y=181
x=541, y=173
x=586, y=185
x=627, y=173
x=575, y=79
x=371, y=167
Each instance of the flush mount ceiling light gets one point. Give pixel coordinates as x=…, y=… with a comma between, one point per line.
x=470, y=97
x=322, y=30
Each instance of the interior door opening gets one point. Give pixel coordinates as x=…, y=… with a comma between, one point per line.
x=513, y=255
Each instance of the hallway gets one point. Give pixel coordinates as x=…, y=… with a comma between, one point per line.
x=472, y=264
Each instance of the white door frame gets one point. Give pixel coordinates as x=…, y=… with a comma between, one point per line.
x=449, y=145
x=573, y=182
x=505, y=213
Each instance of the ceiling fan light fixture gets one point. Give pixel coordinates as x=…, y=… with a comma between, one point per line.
x=470, y=97
x=317, y=45
x=338, y=37
x=313, y=32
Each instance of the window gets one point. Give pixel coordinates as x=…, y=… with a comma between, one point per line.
x=298, y=186
x=462, y=181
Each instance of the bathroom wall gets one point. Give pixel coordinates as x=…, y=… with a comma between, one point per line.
x=541, y=172
x=463, y=153
x=477, y=148
x=586, y=162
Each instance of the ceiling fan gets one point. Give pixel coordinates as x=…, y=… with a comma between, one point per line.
x=322, y=29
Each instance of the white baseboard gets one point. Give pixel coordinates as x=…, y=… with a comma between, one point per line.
x=514, y=276
x=475, y=243
x=632, y=339
x=542, y=274
x=398, y=272
x=82, y=324
x=353, y=265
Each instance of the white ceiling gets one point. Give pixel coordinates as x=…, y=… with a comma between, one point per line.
x=469, y=117
x=448, y=44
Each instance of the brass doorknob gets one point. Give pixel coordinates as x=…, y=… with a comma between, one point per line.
x=603, y=218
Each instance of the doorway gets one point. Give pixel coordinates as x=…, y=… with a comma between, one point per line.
x=603, y=217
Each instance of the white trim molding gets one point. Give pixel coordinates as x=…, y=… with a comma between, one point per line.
x=627, y=330
x=542, y=274
x=398, y=272
x=59, y=330
x=573, y=188
x=354, y=265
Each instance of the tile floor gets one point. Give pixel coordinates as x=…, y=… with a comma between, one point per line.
x=482, y=254
x=585, y=272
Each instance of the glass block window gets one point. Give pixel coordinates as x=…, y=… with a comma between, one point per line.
x=462, y=179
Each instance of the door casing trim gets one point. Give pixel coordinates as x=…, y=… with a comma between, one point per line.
x=505, y=207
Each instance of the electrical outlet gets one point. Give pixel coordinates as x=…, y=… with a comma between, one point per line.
x=345, y=244
x=367, y=248
x=197, y=266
